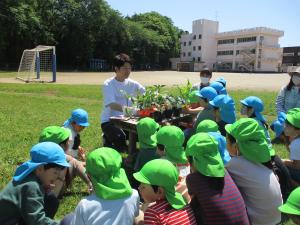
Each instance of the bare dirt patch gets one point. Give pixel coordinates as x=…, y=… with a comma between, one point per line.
x=251, y=81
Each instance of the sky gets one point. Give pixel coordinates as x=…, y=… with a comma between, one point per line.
x=232, y=14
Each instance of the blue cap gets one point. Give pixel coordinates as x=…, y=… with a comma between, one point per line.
x=222, y=81
x=80, y=117
x=218, y=87
x=227, y=107
x=221, y=146
x=257, y=105
x=208, y=93
x=41, y=154
x=278, y=125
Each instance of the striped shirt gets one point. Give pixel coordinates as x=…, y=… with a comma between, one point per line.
x=223, y=206
x=287, y=99
x=162, y=213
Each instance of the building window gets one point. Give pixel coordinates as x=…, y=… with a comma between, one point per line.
x=288, y=54
x=194, y=37
x=194, y=48
x=258, y=65
x=184, y=43
x=189, y=53
x=200, y=36
x=199, y=48
x=237, y=52
x=225, y=41
x=253, y=51
x=183, y=54
x=229, y=52
x=199, y=59
x=246, y=39
x=190, y=43
x=193, y=59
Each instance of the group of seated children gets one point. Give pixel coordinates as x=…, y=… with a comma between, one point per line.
x=222, y=171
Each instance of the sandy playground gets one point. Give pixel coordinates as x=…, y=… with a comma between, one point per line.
x=251, y=81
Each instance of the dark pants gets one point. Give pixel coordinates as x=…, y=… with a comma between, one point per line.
x=67, y=219
x=114, y=137
x=51, y=204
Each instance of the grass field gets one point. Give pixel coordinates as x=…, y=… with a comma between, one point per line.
x=26, y=109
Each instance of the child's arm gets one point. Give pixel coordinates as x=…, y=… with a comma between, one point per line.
x=79, y=170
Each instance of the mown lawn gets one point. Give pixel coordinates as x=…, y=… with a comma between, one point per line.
x=25, y=109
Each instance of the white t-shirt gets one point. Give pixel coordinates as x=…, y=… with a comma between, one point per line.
x=93, y=210
x=259, y=188
x=295, y=149
x=72, y=152
x=112, y=93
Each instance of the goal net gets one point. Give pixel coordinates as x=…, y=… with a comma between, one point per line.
x=38, y=65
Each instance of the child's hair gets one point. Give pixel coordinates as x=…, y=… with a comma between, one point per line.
x=121, y=59
x=53, y=165
x=254, y=116
x=287, y=122
x=160, y=147
x=63, y=143
x=215, y=183
x=155, y=188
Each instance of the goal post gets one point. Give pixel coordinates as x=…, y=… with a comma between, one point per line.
x=38, y=64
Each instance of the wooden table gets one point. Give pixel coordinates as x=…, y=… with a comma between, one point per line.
x=129, y=124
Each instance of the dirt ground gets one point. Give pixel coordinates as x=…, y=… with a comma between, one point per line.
x=251, y=81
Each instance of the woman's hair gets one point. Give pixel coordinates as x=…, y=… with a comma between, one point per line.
x=290, y=84
x=121, y=59
x=53, y=165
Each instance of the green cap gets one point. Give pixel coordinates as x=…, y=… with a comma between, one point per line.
x=207, y=126
x=292, y=205
x=206, y=156
x=108, y=178
x=293, y=117
x=164, y=174
x=54, y=134
x=251, y=139
x=172, y=138
x=193, y=96
x=146, y=130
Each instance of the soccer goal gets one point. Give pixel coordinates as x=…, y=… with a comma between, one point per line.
x=38, y=65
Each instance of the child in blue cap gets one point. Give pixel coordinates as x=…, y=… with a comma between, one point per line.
x=224, y=109
x=252, y=107
x=76, y=123
x=22, y=200
x=219, y=87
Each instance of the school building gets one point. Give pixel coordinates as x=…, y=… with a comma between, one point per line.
x=253, y=49
x=290, y=57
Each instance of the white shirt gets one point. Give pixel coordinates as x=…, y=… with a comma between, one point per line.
x=93, y=211
x=72, y=152
x=295, y=149
x=259, y=188
x=112, y=93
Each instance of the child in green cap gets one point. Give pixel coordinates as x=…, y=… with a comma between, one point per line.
x=292, y=130
x=146, y=130
x=251, y=169
x=292, y=206
x=60, y=136
x=22, y=200
x=216, y=199
x=158, y=178
x=114, y=201
x=170, y=141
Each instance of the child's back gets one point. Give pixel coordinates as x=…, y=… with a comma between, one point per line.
x=93, y=210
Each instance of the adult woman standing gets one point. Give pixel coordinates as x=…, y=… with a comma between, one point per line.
x=289, y=95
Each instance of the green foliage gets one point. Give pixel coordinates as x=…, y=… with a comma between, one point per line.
x=83, y=29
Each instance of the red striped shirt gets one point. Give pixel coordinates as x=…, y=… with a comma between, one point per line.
x=162, y=213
